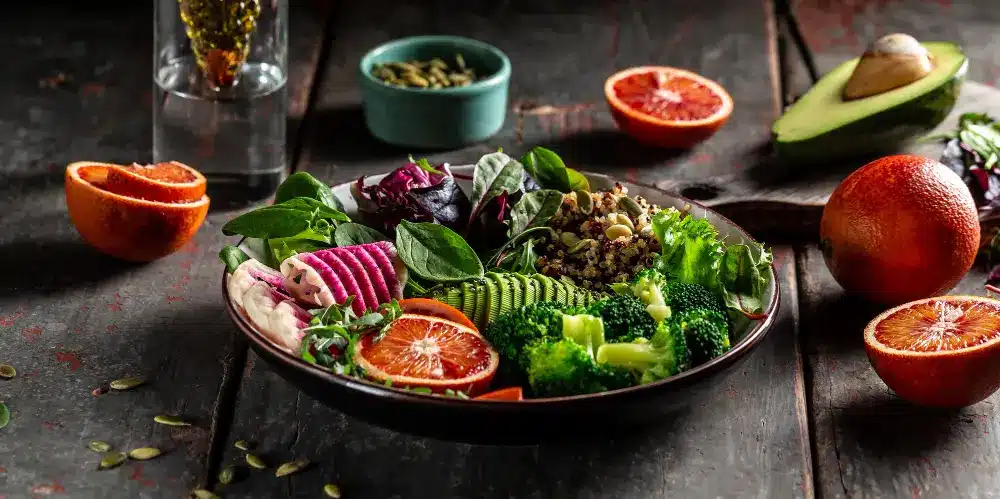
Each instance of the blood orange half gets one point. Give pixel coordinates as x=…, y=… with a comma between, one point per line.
x=170, y=182
x=938, y=352
x=431, y=352
x=667, y=107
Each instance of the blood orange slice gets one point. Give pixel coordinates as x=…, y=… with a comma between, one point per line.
x=939, y=352
x=425, y=351
x=170, y=182
x=510, y=394
x=667, y=107
x=434, y=308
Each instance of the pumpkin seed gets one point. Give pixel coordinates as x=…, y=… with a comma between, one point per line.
x=580, y=246
x=99, y=446
x=291, y=467
x=4, y=415
x=126, y=383
x=438, y=64
x=111, y=460
x=584, y=202
x=144, y=453
x=256, y=462
x=617, y=230
x=227, y=474
x=623, y=219
x=569, y=238
x=7, y=371
x=242, y=445
x=331, y=490
x=460, y=61
x=171, y=420
x=630, y=206
x=204, y=494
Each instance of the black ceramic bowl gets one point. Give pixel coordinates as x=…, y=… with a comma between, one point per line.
x=533, y=420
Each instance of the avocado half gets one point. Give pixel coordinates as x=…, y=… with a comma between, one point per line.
x=822, y=125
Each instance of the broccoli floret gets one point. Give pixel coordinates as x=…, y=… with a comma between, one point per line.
x=706, y=333
x=648, y=287
x=663, y=356
x=682, y=296
x=564, y=367
x=625, y=318
x=512, y=333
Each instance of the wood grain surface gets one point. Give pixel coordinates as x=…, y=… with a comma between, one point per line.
x=868, y=442
x=73, y=320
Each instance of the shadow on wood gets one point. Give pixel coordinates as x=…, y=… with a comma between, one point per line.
x=50, y=266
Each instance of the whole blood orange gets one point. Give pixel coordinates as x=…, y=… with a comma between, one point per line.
x=428, y=352
x=667, y=107
x=127, y=227
x=898, y=229
x=938, y=352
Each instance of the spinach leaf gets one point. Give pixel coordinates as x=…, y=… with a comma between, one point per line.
x=495, y=174
x=349, y=234
x=232, y=257
x=744, y=274
x=534, y=209
x=283, y=220
x=436, y=253
x=549, y=170
x=302, y=184
x=309, y=205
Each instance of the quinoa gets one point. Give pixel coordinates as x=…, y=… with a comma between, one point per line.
x=595, y=260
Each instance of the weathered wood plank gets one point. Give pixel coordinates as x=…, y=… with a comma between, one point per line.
x=868, y=442
x=73, y=320
x=561, y=53
x=750, y=439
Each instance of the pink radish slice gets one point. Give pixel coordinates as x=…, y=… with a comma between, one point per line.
x=278, y=320
x=248, y=273
x=360, y=275
x=385, y=260
x=344, y=273
x=374, y=272
x=314, y=284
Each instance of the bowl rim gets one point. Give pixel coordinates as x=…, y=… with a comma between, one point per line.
x=690, y=377
x=497, y=79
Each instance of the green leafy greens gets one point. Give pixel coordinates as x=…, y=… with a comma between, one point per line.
x=232, y=257
x=495, y=175
x=436, y=253
x=548, y=169
x=349, y=234
x=304, y=185
x=332, y=332
x=534, y=210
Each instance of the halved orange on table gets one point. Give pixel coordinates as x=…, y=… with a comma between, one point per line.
x=169, y=182
x=112, y=216
x=667, y=107
x=420, y=351
x=938, y=352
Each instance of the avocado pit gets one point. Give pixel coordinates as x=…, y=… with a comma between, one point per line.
x=890, y=62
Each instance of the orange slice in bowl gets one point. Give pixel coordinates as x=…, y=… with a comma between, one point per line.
x=667, y=107
x=169, y=182
x=938, y=352
x=430, y=352
x=123, y=226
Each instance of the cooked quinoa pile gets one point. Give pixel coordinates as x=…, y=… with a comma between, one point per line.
x=608, y=239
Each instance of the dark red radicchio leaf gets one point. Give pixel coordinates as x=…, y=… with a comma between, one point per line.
x=411, y=193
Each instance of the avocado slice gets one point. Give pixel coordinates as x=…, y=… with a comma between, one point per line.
x=529, y=289
x=469, y=299
x=454, y=297
x=548, y=292
x=494, y=292
x=562, y=294
x=516, y=290
x=822, y=125
x=482, y=303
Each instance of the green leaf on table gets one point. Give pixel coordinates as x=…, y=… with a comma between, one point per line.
x=495, y=174
x=534, y=210
x=4, y=415
x=548, y=169
x=349, y=234
x=744, y=274
x=232, y=257
x=283, y=220
x=436, y=253
x=302, y=184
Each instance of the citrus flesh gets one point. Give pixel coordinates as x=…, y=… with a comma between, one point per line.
x=169, y=182
x=941, y=352
x=667, y=107
x=424, y=351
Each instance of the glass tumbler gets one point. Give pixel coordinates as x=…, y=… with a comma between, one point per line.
x=220, y=104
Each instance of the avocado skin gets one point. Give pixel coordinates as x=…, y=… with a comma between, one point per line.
x=882, y=133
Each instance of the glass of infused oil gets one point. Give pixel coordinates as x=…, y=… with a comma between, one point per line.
x=219, y=77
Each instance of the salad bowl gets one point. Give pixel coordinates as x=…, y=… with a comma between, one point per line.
x=532, y=420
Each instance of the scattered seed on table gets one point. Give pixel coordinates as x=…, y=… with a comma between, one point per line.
x=111, y=460
x=242, y=445
x=331, y=490
x=204, y=494
x=99, y=446
x=171, y=420
x=291, y=467
x=227, y=475
x=127, y=383
x=4, y=415
x=144, y=453
x=256, y=462
x=7, y=371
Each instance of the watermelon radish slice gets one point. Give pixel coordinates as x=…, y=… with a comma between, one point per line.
x=275, y=315
x=312, y=281
x=344, y=273
x=246, y=275
x=393, y=269
x=360, y=273
x=374, y=272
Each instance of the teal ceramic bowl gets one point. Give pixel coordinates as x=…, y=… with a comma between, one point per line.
x=444, y=118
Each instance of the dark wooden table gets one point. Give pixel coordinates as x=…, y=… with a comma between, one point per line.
x=805, y=417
